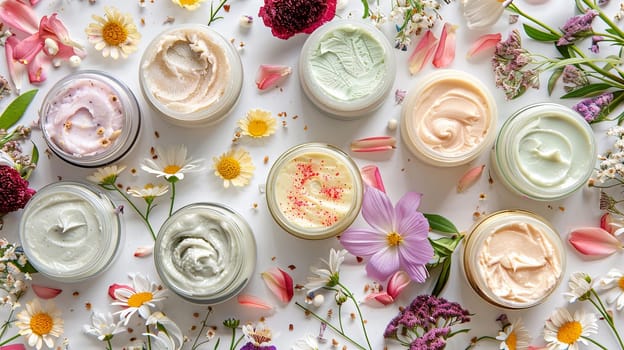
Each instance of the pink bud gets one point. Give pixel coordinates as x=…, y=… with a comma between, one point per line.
x=397, y=282
x=594, y=241
x=484, y=43
x=374, y=299
x=280, y=283
x=45, y=292
x=372, y=177
x=445, y=52
x=423, y=52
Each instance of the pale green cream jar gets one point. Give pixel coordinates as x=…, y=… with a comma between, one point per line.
x=544, y=151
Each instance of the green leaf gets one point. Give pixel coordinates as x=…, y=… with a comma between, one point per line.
x=15, y=110
x=552, y=81
x=34, y=159
x=440, y=223
x=612, y=31
x=27, y=268
x=587, y=90
x=445, y=273
x=565, y=51
x=539, y=35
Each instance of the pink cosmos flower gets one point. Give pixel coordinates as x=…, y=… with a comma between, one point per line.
x=398, y=240
x=289, y=17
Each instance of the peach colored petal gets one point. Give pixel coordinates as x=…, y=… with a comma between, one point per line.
x=280, y=283
x=271, y=75
x=594, y=241
x=469, y=178
x=423, y=52
x=374, y=144
x=254, y=302
x=445, y=52
x=45, y=292
x=374, y=299
x=398, y=281
x=372, y=177
x=485, y=42
x=36, y=74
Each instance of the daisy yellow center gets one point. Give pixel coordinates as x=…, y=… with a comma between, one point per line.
x=188, y=2
x=149, y=186
x=570, y=332
x=172, y=169
x=138, y=299
x=257, y=127
x=114, y=33
x=394, y=239
x=621, y=283
x=511, y=341
x=41, y=323
x=229, y=168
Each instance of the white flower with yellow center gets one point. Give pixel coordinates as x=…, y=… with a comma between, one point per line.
x=326, y=277
x=115, y=34
x=172, y=163
x=103, y=326
x=234, y=167
x=188, y=4
x=580, y=286
x=106, y=175
x=141, y=297
x=483, y=13
x=564, y=331
x=514, y=337
x=613, y=282
x=258, y=123
x=149, y=191
x=40, y=324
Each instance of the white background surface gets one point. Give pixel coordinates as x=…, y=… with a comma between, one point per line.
x=400, y=170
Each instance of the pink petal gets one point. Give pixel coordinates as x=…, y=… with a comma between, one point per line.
x=382, y=298
x=398, y=281
x=34, y=2
x=45, y=292
x=594, y=241
x=19, y=17
x=361, y=242
x=114, y=287
x=16, y=69
x=36, y=74
x=423, y=52
x=372, y=177
x=13, y=347
x=408, y=205
x=417, y=273
x=280, y=283
x=144, y=251
x=253, y=301
x=271, y=75
x=612, y=224
x=383, y=264
x=484, y=43
x=445, y=53
x=374, y=144
x=53, y=28
x=377, y=210
x=26, y=50
x=469, y=178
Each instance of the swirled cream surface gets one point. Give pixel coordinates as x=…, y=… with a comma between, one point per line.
x=186, y=71
x=314, y=190
x=450, y=116
x=85, y=118
x=519, y=264
x=348, y=63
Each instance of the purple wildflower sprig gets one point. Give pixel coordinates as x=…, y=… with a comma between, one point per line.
x=427, y=323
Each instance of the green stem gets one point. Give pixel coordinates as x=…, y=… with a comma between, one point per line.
x=127, y=199
x=109, y=346
x=366, y=10
x=10, y=339
x=201, y=330
x=149, y=339
x=474, y=341
x=513, y=8
x=608, y=318
x=605, y=18
x=594, y=342
x=6, y=324
x=213, y=14
x=232, y=344
x=357, y=307
x=340, y=318
x=172, y=197
x=239, y=340
x=330, y=326
x=595, y=67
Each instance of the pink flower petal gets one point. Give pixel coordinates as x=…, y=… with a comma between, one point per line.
x=13, y=347
x=484, y=43
x=374, y=144
x=383, y=264
x=594, y=241
x=45, y=292
x=417, y=273
x=36, y=74
x=445, y=53
x=16, y=69
x=377, y=210
x=34, y=2
x=398, y=281
x=253, y=301
x=469, y=178
x=612, y=224
x=144, y=251
x=280, y=283
x=372, y=177
x=26, y=50
x=362, y=242
x=114, y=287
x=423, y=52
x=19, y=17
x=375, y=299
x=271, y=75
x=53, y=28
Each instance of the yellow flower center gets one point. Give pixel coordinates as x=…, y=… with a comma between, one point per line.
x=188, y=2
x=138, y=299
x=41, y=323
x=114, y=33
x=621, y=283
x=148, y=186
x=229, y=168
x=394, y=239
x=569, y=332
x=172, y=169
x=511, y=341
x=257, y=128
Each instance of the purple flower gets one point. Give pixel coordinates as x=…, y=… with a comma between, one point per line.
x=575, y=77
x=509, y=62
x=434, y=339
x=594, y=46
x=591, y=108
x=398, y=239
x=577, y=27
x=251, y=346
x=289, y=17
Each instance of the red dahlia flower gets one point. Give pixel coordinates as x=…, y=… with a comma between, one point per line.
x=14, y=191
x=289, y=17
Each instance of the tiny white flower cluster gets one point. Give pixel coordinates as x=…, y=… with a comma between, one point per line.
x=612, y=164
x=412, y=18
x=12, y=278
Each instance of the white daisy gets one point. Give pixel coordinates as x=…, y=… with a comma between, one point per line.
x=149, y=191
x=563, y=331
x=169, y=336
x=309, y=342
x=514, y=337
x=329, y=276
x=103, y=326
x=40, y=324
x=483, y=13
x=188, y=4
x=141, y=297
x=115, y=34
x=106, y=175
x=613, y=282
x=171, y=163
x=579, y=286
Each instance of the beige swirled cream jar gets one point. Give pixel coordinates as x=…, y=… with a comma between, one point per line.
x=544, y=151
x=90, y=119
x=448, y=119
x=314, y=191
x=513, y=259
x=205, y=253
x=70, y=231
x=347, y=68
x=192, y=75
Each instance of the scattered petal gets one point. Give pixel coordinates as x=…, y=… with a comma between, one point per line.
x=423, y=52
x=254, y=302
x=398, y=281
x=16, y=69
x=485, y=42
x=115, y=286
x=469, y=178
x=445, y=52
x=399, y=96
x=612, y=224
x=19, y=17
x=372, y=177
x=483, y=13
x=280, y=283
x=374, y=144
x=594, y=241
x=374, y=299
x=45, y=292
x=13, y=347
x=271, y=75
x=245, y=21
x=144, y=251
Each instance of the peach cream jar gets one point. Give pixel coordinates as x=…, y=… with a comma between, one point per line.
x=205, y=253
x=90, y=119
x=70, y=231
x=192, y=75
x=544, y=151
x=314, y=191
x=347, y=68
x=448, y=119
x=513, y=259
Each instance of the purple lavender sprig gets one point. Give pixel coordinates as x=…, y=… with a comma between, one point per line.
x=592, y=108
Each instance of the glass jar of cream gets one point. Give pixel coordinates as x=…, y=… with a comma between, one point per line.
x=513, y=259
x=192, y=75
x=448, y=119
x=347, y=68
x=205, y=253
x=544, y=151
x=90, y=119
x=314, y=191
x=70, y=231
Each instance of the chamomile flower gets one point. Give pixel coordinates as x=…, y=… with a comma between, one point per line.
x=613, y=282
x=259, y=337
x=579, y=287
x=149, y=191
x=235, y=167
x=188, y=4
x=141, y=297
x=106, y=175
x=326, y=276
x=309, y=342
x=40, y=324
x=258, y=123
x=514, y=336
x=171, y=162
x=103, y=326
x=115, y=34
x=564, y=331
